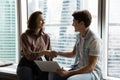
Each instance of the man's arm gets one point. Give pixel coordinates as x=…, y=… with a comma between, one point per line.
x=68, y=54
x=86, y=69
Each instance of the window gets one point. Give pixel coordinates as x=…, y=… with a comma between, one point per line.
x=113, y=67
x=8, y=30
x=58, y=22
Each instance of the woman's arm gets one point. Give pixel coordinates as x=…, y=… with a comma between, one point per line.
x=27, y=52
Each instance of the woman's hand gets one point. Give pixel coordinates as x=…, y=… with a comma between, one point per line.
x=50, y=53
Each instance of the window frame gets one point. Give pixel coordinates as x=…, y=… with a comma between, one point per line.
x=102, y=26
x=21, y=23
x=103, y=22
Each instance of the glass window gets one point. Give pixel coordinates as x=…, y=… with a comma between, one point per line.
x=58, y=21
x=113, y=39
x=8, y=30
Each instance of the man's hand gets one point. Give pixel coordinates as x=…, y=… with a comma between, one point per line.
x=51, y=54
x=62, y=72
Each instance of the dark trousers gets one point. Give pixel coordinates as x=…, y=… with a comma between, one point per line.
x=26, y=73
x=28, y=70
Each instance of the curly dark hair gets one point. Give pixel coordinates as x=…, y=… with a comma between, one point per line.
x=84, y=16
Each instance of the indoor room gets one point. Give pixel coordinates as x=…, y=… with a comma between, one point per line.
x=58, y=20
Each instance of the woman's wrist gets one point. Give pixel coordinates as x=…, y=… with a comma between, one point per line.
x=58, y=52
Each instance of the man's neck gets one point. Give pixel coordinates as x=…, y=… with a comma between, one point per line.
x=84, y=32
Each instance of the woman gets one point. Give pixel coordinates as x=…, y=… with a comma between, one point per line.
x=35, y=43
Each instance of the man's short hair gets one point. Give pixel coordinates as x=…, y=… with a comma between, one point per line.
x=83, y=15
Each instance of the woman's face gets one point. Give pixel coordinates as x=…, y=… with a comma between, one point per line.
x=40, y=21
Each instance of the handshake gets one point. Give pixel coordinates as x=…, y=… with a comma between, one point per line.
x=50, y=54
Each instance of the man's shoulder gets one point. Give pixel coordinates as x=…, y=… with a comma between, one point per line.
x=94, y=36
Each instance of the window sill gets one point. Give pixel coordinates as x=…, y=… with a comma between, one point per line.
x=8, y=72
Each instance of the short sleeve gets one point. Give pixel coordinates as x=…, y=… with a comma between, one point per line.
x=95, y=47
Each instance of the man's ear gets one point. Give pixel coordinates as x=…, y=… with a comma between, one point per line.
x=81, y=22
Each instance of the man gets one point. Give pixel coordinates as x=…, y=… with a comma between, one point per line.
x=87, y=64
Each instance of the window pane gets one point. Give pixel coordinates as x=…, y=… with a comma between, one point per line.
x=58, y=21
x=8, y=30
x=114, y=39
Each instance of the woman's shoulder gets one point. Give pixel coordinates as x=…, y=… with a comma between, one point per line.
x=45, y=34
x=25, y=34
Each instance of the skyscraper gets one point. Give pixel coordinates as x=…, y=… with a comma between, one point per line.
x=58, y=23
x=8, y=30
x=37, y=5
x=67, y=35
